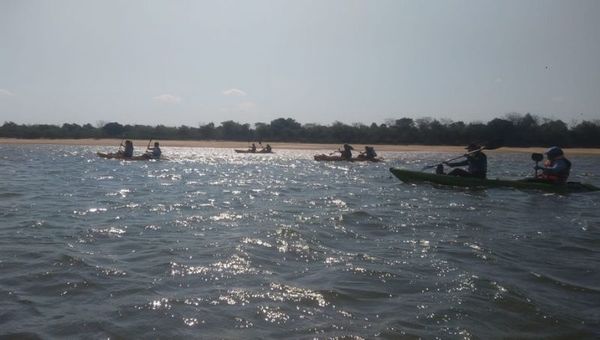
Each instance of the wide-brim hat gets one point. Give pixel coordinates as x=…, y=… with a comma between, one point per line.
x=472, y=147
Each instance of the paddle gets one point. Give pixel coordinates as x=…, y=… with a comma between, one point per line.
x=334, y=152
x=121, y=144
x=537, y=157
x=490, y=146
x=150, y=141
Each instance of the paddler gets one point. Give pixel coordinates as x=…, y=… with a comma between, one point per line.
x=369, y=153
x=476, y=162
x=128, y=152
x=557, y=168
x=347, y=152
x=154, y=152
x=253, y=148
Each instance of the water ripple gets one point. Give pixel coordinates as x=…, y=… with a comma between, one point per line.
x=215, y=244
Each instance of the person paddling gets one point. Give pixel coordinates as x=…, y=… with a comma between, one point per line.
x=128, y=152
x=347, y=152
x=369, y=153
x=476, y=162
x=556, y=169
x=154, y=152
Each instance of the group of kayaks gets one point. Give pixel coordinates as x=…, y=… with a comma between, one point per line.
x=411, y=176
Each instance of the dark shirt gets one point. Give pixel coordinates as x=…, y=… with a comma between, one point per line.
x=128, y=150
x=155, y=152
x=346, y=154
x=477, y=164
x=370, y=153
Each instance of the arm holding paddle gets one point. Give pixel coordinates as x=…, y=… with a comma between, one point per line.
x=489, y=146
x=476, y=161
x=153, y=152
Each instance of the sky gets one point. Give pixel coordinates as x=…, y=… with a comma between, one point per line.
x=194, y=62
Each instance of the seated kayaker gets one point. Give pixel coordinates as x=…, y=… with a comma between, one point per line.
x=556, y=169
x=476, y=162
x=369, y=153
x=347, y=152
x=154, y=152
x=267, y=148
x=128, y=152
x=252, y=148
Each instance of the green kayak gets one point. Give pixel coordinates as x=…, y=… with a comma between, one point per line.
x=417, y=176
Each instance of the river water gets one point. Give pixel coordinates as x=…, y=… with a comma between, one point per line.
x=213, y=244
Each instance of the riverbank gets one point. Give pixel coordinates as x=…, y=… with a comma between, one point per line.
x=282, y=146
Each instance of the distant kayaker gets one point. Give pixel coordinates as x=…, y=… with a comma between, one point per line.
x=476, y=162
x=253, y=148
x=154, y=152
x=369, y=153
x=347, y=152
x=267, y=148
x=557, y=168
x=128, y=152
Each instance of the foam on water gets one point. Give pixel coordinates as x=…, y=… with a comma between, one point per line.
x=213, y=244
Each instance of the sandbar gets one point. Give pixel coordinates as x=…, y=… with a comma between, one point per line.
x=285, y=146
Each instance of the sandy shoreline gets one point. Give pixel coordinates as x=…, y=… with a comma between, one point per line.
x=276, y=146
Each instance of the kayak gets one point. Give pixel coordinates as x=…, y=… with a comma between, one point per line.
x=250, y=151
x=409, y=176
x=118, y=156
x=339, y=158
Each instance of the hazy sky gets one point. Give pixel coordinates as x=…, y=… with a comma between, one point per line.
x=191, y=62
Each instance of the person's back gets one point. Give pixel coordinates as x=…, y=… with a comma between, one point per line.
x=347, y=152
x=477, y=164
x=370, y=152
x=128, y=149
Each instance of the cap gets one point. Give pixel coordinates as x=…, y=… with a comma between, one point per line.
x=554, y=152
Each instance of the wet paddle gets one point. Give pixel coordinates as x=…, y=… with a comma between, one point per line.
x=490, y=146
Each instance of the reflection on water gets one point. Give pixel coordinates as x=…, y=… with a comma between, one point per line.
x=213, y=244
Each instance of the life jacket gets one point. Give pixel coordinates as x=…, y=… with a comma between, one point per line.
x=559, y=177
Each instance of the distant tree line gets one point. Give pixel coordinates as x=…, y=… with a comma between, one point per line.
x=513, y=130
